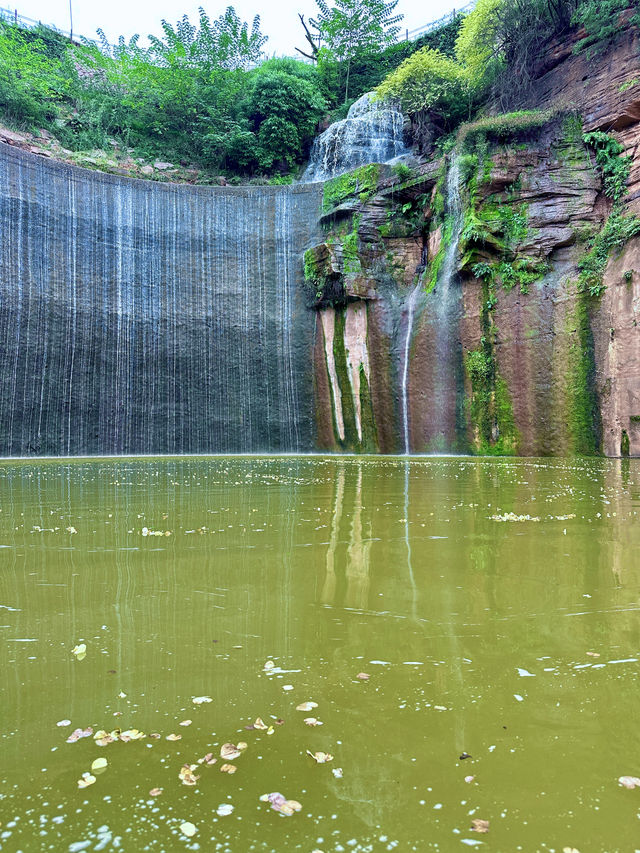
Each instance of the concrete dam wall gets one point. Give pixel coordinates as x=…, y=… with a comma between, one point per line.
x=139, y=317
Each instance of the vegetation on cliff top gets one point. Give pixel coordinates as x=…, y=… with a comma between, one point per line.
x=200, y=94
x=498, y=51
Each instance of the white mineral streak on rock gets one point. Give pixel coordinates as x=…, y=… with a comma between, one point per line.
x=355, y=344
x=328, y=319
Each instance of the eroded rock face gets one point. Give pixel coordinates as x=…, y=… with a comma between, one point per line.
x=617, y=340
x=360, y=277
x=542, y=367
x=604, y=89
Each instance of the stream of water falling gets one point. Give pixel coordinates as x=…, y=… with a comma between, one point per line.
x=411, y=308
x=444, y=312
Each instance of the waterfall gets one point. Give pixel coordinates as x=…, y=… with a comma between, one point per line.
x=140, y=317
x=445, y=309
x=372, y=132
x=444, y=302
x=404, y=389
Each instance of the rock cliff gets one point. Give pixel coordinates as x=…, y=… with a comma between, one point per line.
x=545, y=350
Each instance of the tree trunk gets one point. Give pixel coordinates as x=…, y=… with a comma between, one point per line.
x=346, y=87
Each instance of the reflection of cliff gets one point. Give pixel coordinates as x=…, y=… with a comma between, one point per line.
x=347, y=574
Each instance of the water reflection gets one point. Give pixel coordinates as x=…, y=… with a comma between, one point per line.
x=347, y=577
x=471, y=591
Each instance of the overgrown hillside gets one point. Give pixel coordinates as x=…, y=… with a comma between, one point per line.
x=198, y=100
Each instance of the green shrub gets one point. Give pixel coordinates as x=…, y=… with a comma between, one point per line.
x=615, y=168
x=601, y=21
x=432, y=82
x=361, y=182
x=32, y=82
x=617, y=230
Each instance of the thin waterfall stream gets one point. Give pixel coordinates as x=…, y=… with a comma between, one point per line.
x=411, y=310
x=445, y=309
x=445, y=317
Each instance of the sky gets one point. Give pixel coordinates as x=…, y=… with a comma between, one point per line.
x=279, y=20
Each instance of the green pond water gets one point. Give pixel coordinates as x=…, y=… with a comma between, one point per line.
x=513, y=641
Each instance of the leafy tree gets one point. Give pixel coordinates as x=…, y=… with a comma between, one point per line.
x=369, y=70
x=352, y=28
x=501, y=41
x=284, y=105
x=429, y=81
x=32, y=82
x=225, y=42
x=601, y=21
x=237, y=47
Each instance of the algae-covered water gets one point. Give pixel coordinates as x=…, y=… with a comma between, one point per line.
x=494, y=605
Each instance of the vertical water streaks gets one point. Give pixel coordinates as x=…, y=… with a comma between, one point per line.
x=151, y=318
x=447, y=298
x=372, y=132
x=443, y=309
x=412, y=300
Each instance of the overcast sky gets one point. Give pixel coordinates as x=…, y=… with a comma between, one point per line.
x=279, y=20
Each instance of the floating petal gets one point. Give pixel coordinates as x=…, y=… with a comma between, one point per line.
x=320, y=757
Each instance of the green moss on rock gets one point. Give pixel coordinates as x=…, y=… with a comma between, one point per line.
x=583, y=415
x=361, y=183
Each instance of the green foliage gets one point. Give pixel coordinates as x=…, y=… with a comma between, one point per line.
x=32, y=77
x=361, y=182
x=402, y=171
x=355, y=26
x=352, y=28
x=479, y=367
x=283, y=106
x=615, y=168
x=433, y=270
x=312, y=274
x=617, y=230
x=443, y=86
x=477, y=43
x=501, y=225
x=498, y=44
x=368, y=70
x=223, y=43
x=502, y=41
x=405, y=218
x=187, y=97
x=584, y=413
x=503, y=126
x=629, y=84
x=625, y=444
x=350, y=255
x=432, y=82
x=490, y=407
x=601, y=22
